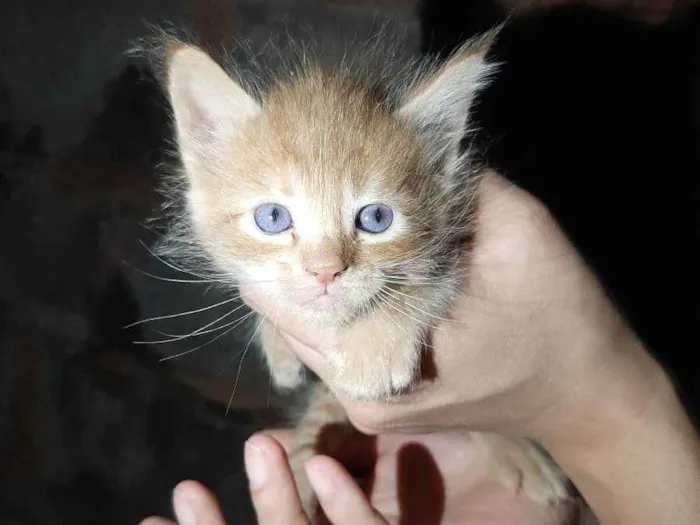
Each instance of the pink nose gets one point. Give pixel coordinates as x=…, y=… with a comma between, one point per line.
x=327, y=274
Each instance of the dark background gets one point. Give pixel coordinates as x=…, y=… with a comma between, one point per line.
x=596, y=115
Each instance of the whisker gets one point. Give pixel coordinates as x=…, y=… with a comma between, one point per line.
x=200, y=331
x=189, y=312
x=168, y=264
x=238, y=323
x=437, y=317
x=177, y=337
x=379, y=304
x=412, y=281
x=397, y=306
x=274, y=335
x=197, y=281
x=240, y=365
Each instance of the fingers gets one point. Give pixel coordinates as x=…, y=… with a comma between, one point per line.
x=274, y=493
x=343, y=502
x=272, y=486
x=194, y=505
x=283, y=436
x=354, y=450
x=157, y=520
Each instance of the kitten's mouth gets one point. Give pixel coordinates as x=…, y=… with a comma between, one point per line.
x=325, y=297
x=325, y=291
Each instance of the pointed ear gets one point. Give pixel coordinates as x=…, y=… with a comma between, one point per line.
x=438, y=104
x=208, y=105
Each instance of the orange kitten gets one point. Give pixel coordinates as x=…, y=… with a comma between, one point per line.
x=348, y=200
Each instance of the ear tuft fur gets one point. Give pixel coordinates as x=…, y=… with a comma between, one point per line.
x=438, y=103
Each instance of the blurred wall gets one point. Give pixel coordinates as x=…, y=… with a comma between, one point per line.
x=56, y=56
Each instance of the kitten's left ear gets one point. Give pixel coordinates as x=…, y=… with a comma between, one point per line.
x=209, y=107
x=438, y=105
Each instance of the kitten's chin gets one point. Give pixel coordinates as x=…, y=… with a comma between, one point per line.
x=326, y=311
x=329, y=310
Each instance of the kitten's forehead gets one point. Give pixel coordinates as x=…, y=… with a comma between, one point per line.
x=320, y=210
x=335, y=129
x=325, y=146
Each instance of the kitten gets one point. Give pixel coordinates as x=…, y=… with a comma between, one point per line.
x=348, y=200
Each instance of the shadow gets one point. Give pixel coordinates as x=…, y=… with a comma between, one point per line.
x=421, y=490
x=428, y=368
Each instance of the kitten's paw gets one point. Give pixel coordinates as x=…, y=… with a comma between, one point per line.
x=285, y=368
x=519, y=464
x=288, y=376
x=323, y=410
x=297, y=458
x=374, y=361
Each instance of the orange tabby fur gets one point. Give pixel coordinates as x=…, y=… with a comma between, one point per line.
x=324, y=143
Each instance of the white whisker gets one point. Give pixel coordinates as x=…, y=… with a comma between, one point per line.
x=407, y=303
x=170, y=280
x=200, y=331
x=177, y=337
x=189, y=312
x=168, y=264
x=397, y=306
x=240, y=365
x=238, y=323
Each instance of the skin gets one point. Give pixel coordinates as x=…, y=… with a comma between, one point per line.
x=474, y=497
x=562, y=367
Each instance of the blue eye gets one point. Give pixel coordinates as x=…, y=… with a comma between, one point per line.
x=374, y=218
x=272, y=218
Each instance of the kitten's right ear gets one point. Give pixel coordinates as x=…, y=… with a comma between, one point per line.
x=209, y=107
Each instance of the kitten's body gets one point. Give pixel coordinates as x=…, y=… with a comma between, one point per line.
x=322, y=147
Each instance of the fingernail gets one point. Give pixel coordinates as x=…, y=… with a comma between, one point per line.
x=255, y=464
x=320, y=479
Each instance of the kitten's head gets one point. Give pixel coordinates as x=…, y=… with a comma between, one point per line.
x=330, y=189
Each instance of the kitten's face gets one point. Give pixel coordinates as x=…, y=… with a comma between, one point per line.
x=322, y=204
x=322, y=196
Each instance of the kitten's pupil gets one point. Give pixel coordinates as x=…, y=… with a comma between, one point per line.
x=378, y=216
x=274, y=214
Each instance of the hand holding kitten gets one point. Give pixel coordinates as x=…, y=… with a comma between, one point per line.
x=538, y=349
x=533, y=280
x=529, y=341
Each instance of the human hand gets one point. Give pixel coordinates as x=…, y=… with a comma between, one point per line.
x=428, y=480
x=535, y=346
